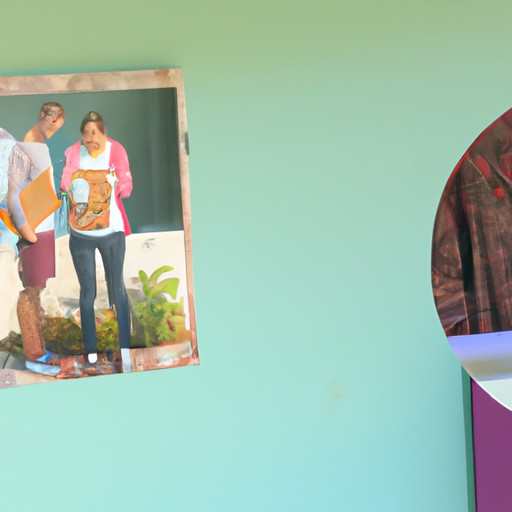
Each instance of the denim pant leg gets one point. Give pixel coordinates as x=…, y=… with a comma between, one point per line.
x=82, y=252
x=112, y=249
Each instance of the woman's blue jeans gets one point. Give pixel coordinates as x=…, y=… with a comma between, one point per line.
x=112, y=248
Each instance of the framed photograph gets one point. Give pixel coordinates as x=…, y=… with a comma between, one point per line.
x=95, y=226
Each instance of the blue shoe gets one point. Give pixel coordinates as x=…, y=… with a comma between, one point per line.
x=45, y=369
x=49, y=358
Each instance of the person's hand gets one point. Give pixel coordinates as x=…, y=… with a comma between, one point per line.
x=112, y=179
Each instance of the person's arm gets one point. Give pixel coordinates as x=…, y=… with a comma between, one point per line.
x=119, y=159
x=20, y=166
x=71, y=165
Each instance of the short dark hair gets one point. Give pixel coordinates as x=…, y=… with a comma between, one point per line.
x=50, y=106
x=92, y=117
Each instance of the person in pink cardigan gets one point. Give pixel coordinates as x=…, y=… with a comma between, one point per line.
x=97, y=177
x=118, y=162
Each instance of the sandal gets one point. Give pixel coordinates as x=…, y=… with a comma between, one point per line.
x=101, y=367
x=71, y=368
x=49, y=358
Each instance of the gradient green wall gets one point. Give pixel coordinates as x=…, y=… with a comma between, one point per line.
x=321, y=135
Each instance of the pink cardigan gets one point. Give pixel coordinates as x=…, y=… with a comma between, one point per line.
x=118, y=162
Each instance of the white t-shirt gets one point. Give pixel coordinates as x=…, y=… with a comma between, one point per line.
x=100, y=163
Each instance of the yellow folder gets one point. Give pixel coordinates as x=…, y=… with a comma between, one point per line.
x=38, y=199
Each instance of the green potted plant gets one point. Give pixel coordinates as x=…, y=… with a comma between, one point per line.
x=160, y=319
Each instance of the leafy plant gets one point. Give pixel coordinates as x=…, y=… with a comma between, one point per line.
x=152, y=288
x=160, y=318
x=64, y=336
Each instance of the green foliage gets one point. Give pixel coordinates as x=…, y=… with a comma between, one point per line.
x=152, y=288
x=159, y=318
x=63, y=336
x=107, y=335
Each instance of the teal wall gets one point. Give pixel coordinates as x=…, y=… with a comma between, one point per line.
x=321, y=136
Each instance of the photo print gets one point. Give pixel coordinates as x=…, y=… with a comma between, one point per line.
x=95, y=226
